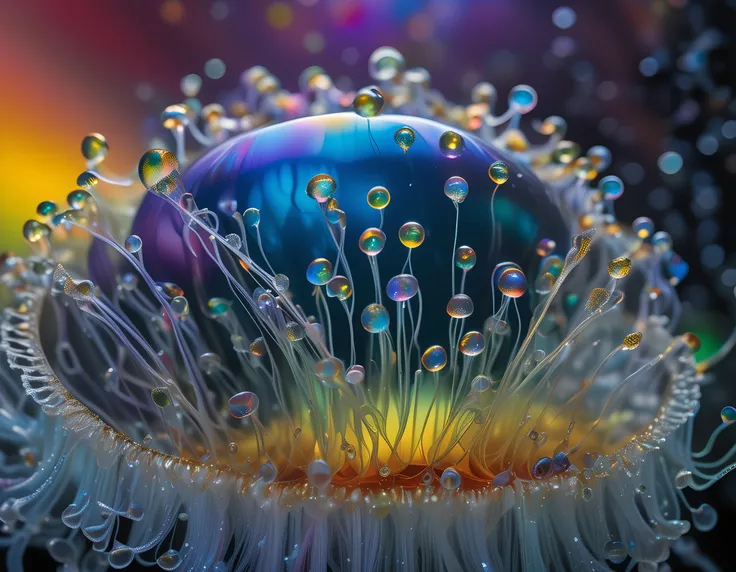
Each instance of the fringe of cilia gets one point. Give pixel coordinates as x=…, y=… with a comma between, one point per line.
x=131, y=502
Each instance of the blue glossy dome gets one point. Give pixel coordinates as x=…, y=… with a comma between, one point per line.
x=269, y=169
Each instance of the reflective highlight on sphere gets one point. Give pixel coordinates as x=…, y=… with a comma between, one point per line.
x=375, y=318
x=339, y=287
x=405, y=138
x=523, y=98
x=319, y=271
x=385, y=63
x=379, y=197
x=512, y=283
x=643, y=227
x=456, y=189
x=321, y=188
x=728, y=414
x=330, y=372
x=611, y=186
x=460, y=306
x=499, y=172
x=452, y=144
x=372, y=241
x=155, y=166
x=472, y=344
x=411, y=234
x=465, y=258
x=402, y=288
x=368, y=102
x=94, y=147
x=434, y=358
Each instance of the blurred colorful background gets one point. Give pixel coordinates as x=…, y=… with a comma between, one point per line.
x=651, y=79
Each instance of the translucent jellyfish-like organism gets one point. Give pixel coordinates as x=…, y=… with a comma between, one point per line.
x=392, y=333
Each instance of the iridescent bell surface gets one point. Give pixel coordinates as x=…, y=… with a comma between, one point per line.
x=270, y=169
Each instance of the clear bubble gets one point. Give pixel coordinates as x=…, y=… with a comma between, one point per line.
x=451, y=144
x=499, y=172
x=295, y=331
x=404, y=138
x=169, y=560
x=319, y=271
x=705, y=518
x=456, y=189
x=355, y=375
x=242, y=404
x=155, y=166
x=615, y=551
x=450, y=479
x=378, y=197
x=385, y=64
x=472, y=344
x=465, y=258
x=683, y=479
x=94, y=147
x=375, y=318
x=411, y=234
x=480, y=383
x=368, y=102
x=339, y=287
x=330, y=371
x=321, y=188
x=434, y=358
x=460, y=306
x=402, y=287
x=372, y=241
x=133, y=243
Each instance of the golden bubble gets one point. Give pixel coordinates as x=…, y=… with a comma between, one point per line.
x=405, y=138
x=499, y=172
x=258, y=347
x=87, y=180
x=632, y=341
x=596, y=299
x=368, y=102
x=411, y=234
x=94, y=147
x=619, y=267
x=434, y=358
x=452, y=144
x=379, y=197
x=321, y=188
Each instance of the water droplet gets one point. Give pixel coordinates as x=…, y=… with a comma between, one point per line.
x=242, y=404
x=450, y=479
x=411, y=234
x=402, y=287
x=614, y=551
x=452, y=144
x=321, y=188
x=368, y=102
x=319, y=271
x=512, y=283
x=460, y=306
x=372, y=241
x=434, y=358
x=375, y=318
x=319, y=473
x=456, y=189
x=169, y=560
x=499, y=172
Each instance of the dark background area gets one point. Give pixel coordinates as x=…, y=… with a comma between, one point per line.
x=643, y=77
